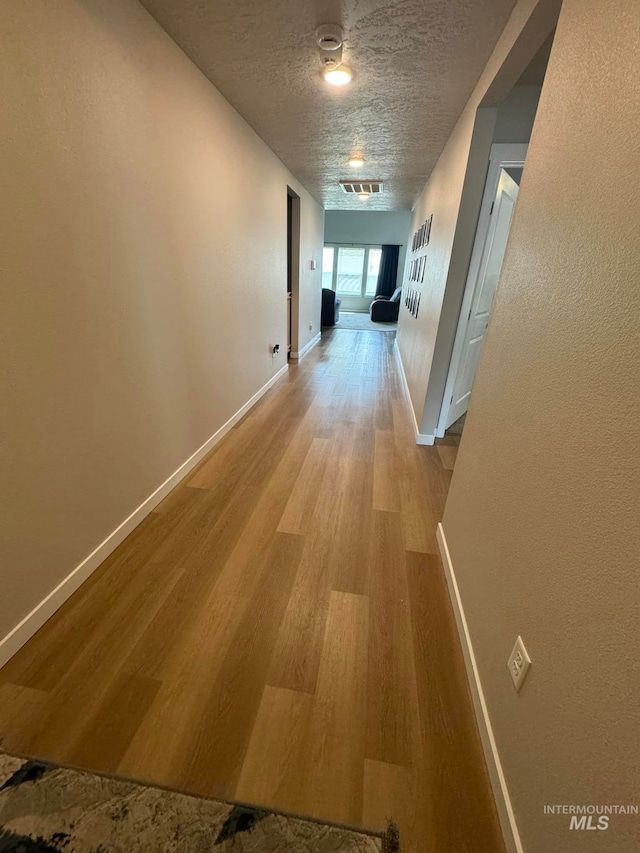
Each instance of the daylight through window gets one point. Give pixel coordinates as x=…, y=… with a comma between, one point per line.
x=351, y=270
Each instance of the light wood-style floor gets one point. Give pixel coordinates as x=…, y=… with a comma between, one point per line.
x=278, y=631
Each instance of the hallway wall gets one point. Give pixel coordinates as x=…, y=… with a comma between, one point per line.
x=542, y=515
x=453, y=196
x=144, y=276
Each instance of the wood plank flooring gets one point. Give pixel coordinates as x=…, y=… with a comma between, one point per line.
x=278, y=631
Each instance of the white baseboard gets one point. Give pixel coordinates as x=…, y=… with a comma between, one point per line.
x=297, y=355
x=421, y=438
x=25, y=629
x=405, y=385
x=498, y=782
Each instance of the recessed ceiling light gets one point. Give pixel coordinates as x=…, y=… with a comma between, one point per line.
x=339, y=76
x=356, y=162
x=363, y=196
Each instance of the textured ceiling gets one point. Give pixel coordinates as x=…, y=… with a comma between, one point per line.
x=415, y=63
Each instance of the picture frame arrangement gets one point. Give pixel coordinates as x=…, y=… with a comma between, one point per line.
x=422, y=235
x=417, y=266
x=417, y=269
x=412, y=302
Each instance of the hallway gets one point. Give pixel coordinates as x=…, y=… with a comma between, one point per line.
x=279, y=631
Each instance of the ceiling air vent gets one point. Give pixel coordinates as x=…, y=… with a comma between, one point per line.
x=356, y=187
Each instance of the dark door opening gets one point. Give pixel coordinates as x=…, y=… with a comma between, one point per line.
x=293, y=267
x=289, y=270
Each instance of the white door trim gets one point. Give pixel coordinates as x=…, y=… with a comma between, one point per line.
x=503, y=156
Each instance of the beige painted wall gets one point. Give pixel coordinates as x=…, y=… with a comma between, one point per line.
x=143, y=269
x=542, y=516
x=310, y=281
x=453, y=196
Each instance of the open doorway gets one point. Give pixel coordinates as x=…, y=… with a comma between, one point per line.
x=500, y=194
x=514, y=121
x=362, y=266
x=293, y=270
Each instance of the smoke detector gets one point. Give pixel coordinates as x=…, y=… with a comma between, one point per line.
x=329, y=36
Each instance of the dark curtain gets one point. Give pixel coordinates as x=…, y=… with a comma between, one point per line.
x=388, y=271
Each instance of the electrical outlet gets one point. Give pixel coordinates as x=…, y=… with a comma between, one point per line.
x=518, y=663
x=310, y=327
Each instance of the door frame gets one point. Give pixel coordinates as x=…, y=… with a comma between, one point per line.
x=503, y=156
x=293, y=266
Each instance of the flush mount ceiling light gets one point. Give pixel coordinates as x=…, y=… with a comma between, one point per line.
x=329, y=38
x=339, y=76
x=363, y=196
x=356, y=162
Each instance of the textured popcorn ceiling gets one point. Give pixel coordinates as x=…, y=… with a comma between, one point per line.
x=415, y=63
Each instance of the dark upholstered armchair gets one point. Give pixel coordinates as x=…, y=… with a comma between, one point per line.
x=385, y=309
x=330, y=307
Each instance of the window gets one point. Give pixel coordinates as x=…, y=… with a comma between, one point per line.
x=373, y=268
x=351, y=270
x=327, y=267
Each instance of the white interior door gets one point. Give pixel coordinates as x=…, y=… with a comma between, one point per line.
x=484, y=291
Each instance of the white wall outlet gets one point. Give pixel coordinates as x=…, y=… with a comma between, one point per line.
x=310, y=327
x=312, y=265
x=518, y=663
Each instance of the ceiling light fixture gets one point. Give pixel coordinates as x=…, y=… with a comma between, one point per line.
x=363, y=196
x=338, y=76
x=356, y=162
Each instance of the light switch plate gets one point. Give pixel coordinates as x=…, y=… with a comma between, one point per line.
x=518, y=664
x=313, y=265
